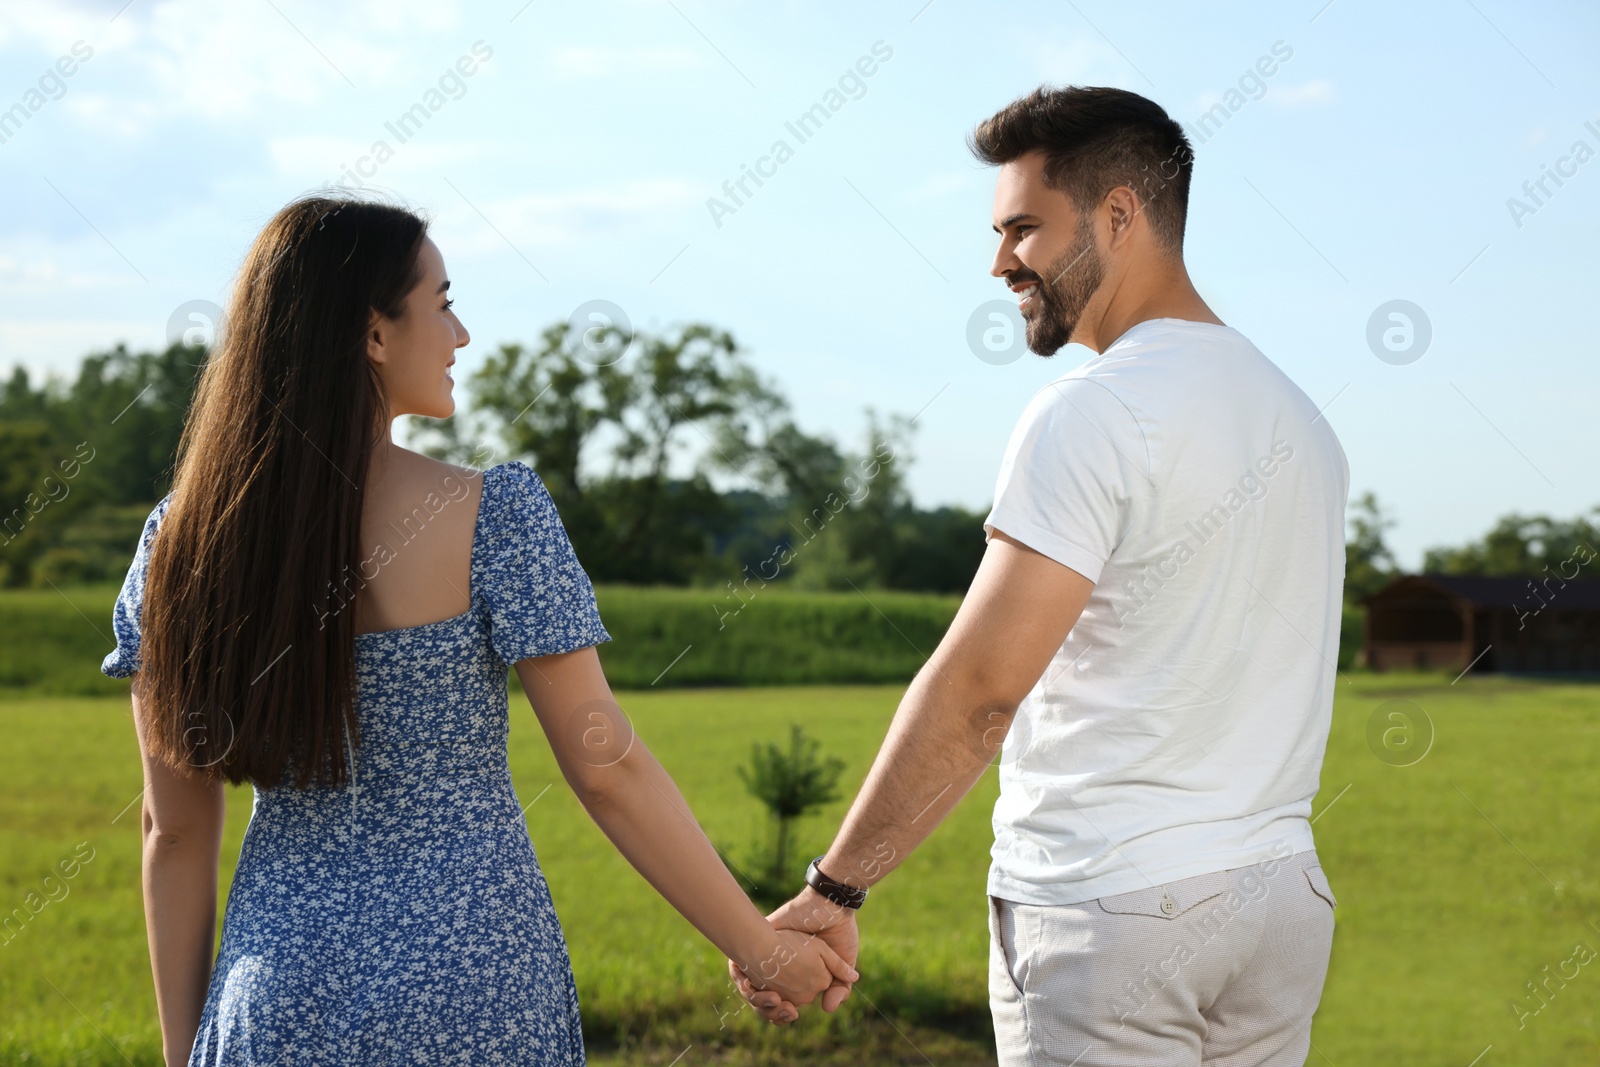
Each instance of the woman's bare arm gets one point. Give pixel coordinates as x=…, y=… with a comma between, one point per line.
x=183, y=816
x=636, y=804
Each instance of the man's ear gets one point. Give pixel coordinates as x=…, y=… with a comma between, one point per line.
x=376, y=334
x=1124, y=206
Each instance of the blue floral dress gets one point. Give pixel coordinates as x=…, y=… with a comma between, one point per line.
x=405, y=919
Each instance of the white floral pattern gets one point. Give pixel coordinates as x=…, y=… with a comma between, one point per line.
x=405, y=919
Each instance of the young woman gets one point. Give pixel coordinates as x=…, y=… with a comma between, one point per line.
x=329, y=616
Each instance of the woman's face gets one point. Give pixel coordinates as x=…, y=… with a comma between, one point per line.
x=413, y=353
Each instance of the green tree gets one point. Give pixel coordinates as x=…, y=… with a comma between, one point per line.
x=1368, y=563
x=129, y=408
x=938, y=550
x=93, y=449
x=760, y=441
x=611, y=421
x=670, y=459
x=791, y=783
x=659, y=528
x=544, y=404
x=28, y=453
x=847, y=518
x=882, y=539
x=1520, y=546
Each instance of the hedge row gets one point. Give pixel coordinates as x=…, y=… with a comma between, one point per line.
x=52, y=641
x=687, y=637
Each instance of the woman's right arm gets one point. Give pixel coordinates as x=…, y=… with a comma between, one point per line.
x=183, y=818
x=636, y=804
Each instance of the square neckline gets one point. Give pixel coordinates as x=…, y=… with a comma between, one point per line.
x=472, y=570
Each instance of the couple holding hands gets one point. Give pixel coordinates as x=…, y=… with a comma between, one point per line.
x=1145, y=651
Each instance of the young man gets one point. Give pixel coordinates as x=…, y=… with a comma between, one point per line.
x=1153, y=631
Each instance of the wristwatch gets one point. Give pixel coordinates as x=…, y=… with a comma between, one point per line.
x=843, y=895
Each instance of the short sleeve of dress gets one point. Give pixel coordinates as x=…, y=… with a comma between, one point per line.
x=124, y=659
x=539, y=598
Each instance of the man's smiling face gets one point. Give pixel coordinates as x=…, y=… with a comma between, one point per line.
x=1047, y=253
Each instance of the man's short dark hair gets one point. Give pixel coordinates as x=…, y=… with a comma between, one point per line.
x=1094, y=139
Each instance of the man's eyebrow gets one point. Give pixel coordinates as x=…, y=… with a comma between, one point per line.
x=1011, y=219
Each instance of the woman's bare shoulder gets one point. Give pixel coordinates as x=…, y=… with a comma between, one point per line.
x=430, y=468
x=404, y=478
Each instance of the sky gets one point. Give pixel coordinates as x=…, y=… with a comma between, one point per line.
x=1402, y=214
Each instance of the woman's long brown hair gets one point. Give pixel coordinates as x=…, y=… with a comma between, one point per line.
x=248, y=628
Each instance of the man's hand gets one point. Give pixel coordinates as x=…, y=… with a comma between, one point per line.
x=799, y=967
x=809, y=912
x=793, y=972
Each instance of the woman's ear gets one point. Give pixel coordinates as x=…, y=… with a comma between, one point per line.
x=376, y=334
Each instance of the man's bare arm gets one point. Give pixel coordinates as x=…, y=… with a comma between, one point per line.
x=947, y=730
x=958, y=709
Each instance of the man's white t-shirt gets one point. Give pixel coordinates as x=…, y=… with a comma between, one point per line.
x=1180, y=728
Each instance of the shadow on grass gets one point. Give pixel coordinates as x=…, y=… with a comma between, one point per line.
x=887, y=1020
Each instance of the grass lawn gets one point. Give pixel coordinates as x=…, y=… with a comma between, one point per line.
x=1460, y=879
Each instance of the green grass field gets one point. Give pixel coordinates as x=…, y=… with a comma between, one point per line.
x=1460, y=879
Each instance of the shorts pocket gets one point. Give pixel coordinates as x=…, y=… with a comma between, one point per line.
x=1319, y=884
x=1003, y=950
x=1169, y=901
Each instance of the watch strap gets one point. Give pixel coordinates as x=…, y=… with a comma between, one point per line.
x=843, y=895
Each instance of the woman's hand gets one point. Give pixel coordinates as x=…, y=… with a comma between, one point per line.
x=811, y=913
x=794, y=968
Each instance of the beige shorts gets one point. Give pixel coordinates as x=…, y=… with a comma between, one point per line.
x=1220, y=970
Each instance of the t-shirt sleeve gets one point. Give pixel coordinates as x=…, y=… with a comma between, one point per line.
x=124, y=659
x=539, y=598
x=1075, y=463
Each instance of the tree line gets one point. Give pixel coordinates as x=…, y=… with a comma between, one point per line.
x=1517, y=546
x=671, y=461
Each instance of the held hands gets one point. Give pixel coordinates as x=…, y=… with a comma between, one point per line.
x=813, y=921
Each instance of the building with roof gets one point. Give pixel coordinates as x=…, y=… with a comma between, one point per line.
x=1455, y=622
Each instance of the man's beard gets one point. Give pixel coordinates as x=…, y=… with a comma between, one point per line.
x=1063, y=292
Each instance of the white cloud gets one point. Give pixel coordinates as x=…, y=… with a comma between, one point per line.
x=58, y=346
x=227, y=62
x=231, y=62
x=50, y=29
x=557, y=218
x=44, y=277
x=115, y=114
x=1315, y=92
